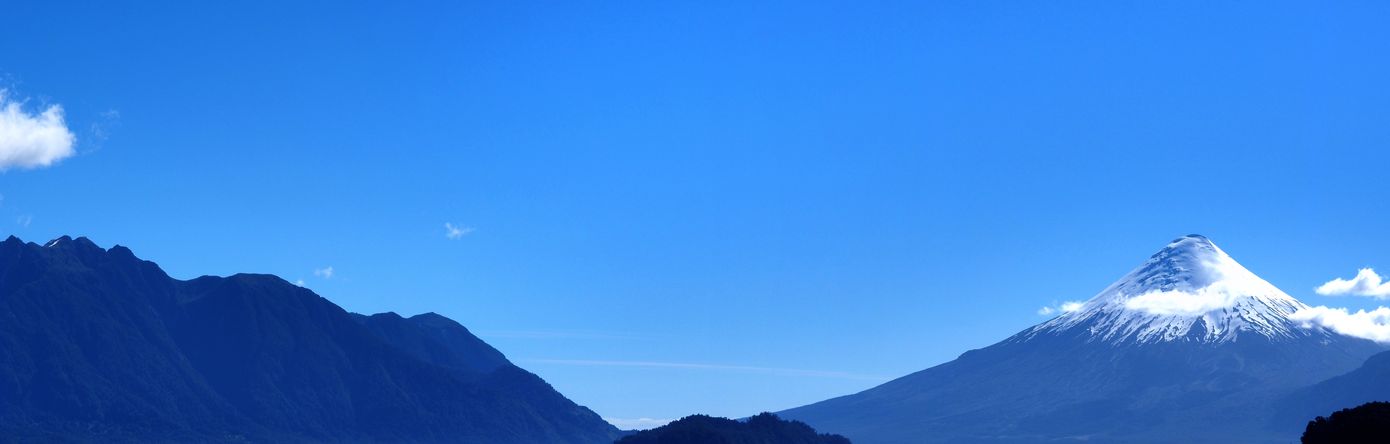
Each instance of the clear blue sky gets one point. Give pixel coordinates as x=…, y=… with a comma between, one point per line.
x=684, y=207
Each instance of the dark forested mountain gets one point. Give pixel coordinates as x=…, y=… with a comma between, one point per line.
x=1366, y=424
x=1189, y=347
x=98, y=345
x=765, y=428
x=1370, y=382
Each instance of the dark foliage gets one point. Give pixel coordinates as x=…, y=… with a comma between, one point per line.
x=1368, y=424
x=99, y=346
x=765, y=428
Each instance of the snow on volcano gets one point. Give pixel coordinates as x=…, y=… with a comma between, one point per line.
x=1190, y=290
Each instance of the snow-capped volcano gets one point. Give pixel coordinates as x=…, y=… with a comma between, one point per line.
x=1190, y=290
x=1189, y=347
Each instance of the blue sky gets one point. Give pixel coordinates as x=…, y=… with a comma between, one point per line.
x=723, y=208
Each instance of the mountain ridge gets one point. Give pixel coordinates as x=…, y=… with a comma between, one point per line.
x=99, y=345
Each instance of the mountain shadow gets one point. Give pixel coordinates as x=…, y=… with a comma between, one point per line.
x=97, y=345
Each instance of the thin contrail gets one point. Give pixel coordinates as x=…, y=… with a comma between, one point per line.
x=698, y=366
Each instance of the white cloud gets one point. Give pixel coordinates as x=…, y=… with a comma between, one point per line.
x=1186, y=303
x=452, y=231
x=326, y=272
x=1366, y=283
x=1373, y=325
x=299, y=282
x=1065, y=307
x=637, y=423
x=32, y=140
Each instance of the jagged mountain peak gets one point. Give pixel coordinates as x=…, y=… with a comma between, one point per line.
x=106, y=341
x=1190, y=290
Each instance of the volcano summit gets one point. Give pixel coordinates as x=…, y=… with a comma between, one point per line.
x=1188, y=347
x=1189, y=291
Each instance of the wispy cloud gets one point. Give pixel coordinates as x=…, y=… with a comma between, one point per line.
x=553, y=334
x=325, y=272
x=100, y=130
x=1366, y=283
x=714, y=367
x=455, y=232
x=637, y=423
x=32, y=140
x=1373, y=325
x=1065, y=307
x=24, y=220
x=299, y=282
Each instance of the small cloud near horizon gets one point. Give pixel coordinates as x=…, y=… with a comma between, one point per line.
x=32, y=140
x=1063, y=308
x=1366, y=283
x=455, y=232
x=326, y=272
x=1373, y=325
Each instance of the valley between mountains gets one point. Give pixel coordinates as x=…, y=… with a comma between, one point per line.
x=98, y=345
